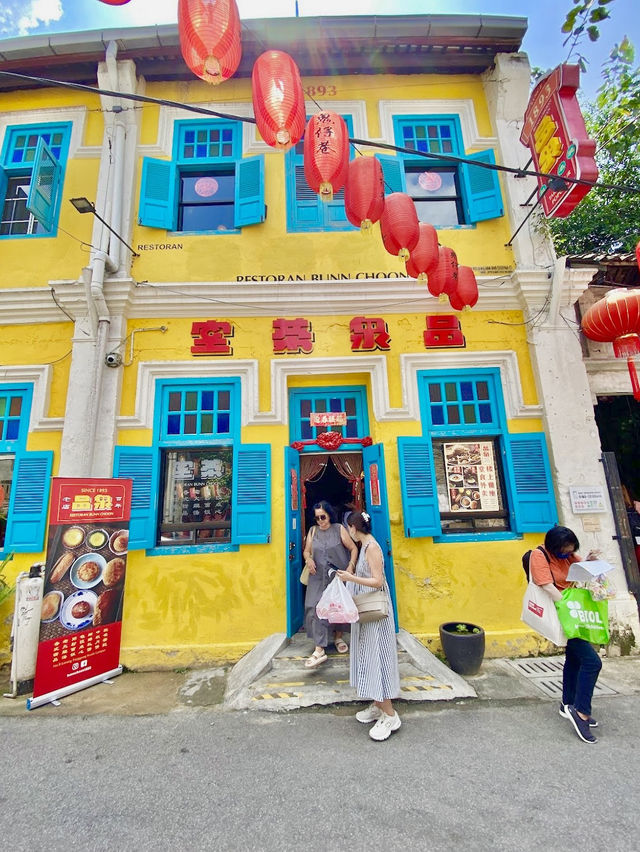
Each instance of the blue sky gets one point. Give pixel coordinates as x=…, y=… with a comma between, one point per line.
x=543, y=41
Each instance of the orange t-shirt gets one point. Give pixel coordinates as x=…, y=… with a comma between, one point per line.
x=555, y=571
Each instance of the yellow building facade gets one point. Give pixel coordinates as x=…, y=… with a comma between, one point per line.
x=229, y=322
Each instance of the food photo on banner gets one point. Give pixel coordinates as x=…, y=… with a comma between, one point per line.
x=471, y=477
x=85, y=571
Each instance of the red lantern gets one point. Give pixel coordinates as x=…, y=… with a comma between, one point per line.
x=424, y=257
x=210, y=38
x=399, y=225
x=616, y=319
x=465, y=295
x=326, y=153
x=364, y=192
x=278, y=99
x=443, y=279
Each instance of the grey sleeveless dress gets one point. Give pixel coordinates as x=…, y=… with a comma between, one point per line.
x=326, y=547
x=373, y=654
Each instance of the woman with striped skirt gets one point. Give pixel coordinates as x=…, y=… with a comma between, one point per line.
x=374, y=655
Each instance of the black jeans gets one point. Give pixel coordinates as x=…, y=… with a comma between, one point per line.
x=581, y=669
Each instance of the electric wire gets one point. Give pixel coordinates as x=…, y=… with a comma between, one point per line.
x=518, y=171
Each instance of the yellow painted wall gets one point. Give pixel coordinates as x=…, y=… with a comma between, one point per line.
x=33, y=262
x=190, y=609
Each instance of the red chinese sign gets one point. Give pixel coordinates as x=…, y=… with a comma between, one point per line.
x=369, y=333
x=81, y=617
x=555, y=133
x=442, y=332
x=211, y=338
x=328, y=418
x=292, y=336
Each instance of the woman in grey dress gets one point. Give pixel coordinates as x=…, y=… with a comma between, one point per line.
x=374, y=654
x=327, y=543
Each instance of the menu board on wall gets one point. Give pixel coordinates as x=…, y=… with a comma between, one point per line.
x=472, y=482
x=81, y=618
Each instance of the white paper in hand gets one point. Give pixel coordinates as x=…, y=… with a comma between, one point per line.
x=583, y=572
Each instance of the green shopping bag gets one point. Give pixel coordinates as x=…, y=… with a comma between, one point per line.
x=583, y=618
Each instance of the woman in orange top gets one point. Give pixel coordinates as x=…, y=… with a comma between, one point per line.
x=582, y=664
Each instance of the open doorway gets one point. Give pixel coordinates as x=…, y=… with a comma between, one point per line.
x=334, y=477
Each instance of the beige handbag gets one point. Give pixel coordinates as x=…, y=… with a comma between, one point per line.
x=372, y=606
x=304, y=577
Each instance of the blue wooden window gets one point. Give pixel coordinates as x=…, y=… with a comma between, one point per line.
x=207, y=187
x=446, y=193
x=32, y=165
x=25, y=477
x=198, y=487
x=306, y=212
x=467, y=477
x=350, y=401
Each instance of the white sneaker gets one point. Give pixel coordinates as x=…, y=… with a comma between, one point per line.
x=384, y=727
x=371, y=714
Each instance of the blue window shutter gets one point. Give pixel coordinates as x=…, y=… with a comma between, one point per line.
x=393, y=173
x=251, y=494
x=3, y=186
x=45, y=185
x=27, y=519
x=418, y=485
x=529, y=475
x=304, y=206
x=480, y=189
x=158, y=208
x=142, y=465
x=249, y=206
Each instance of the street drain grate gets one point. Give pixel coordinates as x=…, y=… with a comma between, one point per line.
x=546, y=674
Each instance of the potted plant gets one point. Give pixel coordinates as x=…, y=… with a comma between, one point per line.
x=463, y=646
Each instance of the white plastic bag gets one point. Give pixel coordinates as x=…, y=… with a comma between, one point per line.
x=336, y=604
x=539, y=612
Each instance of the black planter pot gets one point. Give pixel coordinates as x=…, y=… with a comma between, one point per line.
x=464, y=651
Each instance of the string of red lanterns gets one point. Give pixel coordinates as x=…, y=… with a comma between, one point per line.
x=210, y=38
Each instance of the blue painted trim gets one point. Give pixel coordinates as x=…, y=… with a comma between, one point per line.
x=400, y=121
x=297, y=394
x=26, y=392
x=17, y=169
x=194, y=548
x=183, y=125
x=491, y=375
x=162, y=389
x=488, y=536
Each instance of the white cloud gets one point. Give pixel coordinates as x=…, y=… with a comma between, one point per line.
x=38, y=12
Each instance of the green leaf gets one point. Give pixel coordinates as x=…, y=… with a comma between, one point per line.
x=593, y=33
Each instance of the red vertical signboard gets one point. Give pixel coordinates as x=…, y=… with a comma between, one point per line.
x=555, y=133
x=86, y=564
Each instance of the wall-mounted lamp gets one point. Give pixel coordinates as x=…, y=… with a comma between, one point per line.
x=83, y=205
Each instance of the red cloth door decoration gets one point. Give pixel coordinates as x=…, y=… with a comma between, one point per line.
x=616, y=319
x=210, y=38
x=364, y=192
x=424, y=257
x=278, y=99
x=326, y=154
x=443, y=279
x=465, y=296
x=399, y=225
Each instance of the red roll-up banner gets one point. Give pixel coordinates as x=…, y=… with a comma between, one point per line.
x=84, y=585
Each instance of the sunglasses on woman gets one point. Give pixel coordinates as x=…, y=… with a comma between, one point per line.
x=321, y=517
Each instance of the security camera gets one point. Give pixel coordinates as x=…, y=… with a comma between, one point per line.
x=113, y=359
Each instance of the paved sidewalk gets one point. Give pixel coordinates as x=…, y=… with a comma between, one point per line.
x=162, y=693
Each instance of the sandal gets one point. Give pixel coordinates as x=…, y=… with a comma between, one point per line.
x=315, y=660
x=341, y=646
